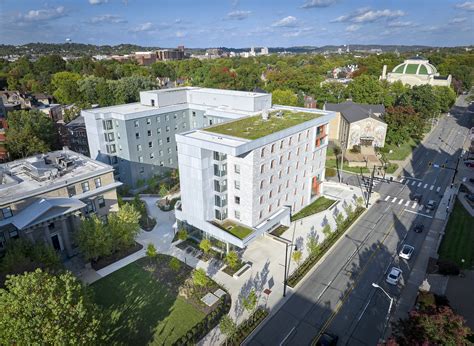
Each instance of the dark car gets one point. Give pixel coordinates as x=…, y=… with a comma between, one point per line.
x=469, y=164
x=419, y=228
x=471, y=180
x=327, y=339
x=417, y=197
x=470, y=197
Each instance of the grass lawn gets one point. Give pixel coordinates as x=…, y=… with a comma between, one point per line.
x=319, y=205
x=332, y=163
x=235, y=229
x=458, y=241
x=142, y=310
x=401, y=152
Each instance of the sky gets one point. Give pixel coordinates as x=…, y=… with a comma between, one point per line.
x=238, y=23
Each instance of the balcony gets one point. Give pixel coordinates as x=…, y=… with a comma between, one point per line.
x=220, y=170
x=220, y=202
x=220, y=187
x=219, y=156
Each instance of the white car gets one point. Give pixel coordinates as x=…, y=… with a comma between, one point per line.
x=394, y=276
x=406, y=251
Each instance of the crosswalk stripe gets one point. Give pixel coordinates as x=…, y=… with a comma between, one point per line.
x=401, y=201
x=414, y=205
x=402, y=181
x=413, y=182
x=419, y=184
x=406, y=204
x=420, y=208
x=387, y=198
x=394, y=199
x=432, y=187
x=425, y=186
x=439, y=188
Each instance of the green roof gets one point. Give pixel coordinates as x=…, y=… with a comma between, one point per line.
x=423, y=70
x=411, y=68
x=236, y=229
x=255, y=127
x=399, y=69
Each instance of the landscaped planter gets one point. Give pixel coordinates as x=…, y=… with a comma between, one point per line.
x=103, y=262
x=247, y=327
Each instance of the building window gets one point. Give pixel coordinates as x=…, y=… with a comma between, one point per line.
x=261, y=184
x=281, y=144
x=111, y=149
x=90, y=208
x=169, y=150
x=272, y=164
x=271, y=179
x=71, y=191
x=281, y=159
x=13, y=234
x=260, y=215
x=110, y=136
x=152, y=155
x=162, y=163
x=139, y=147
x=85, y=186
x=2, y=241
x=149, y=133
x=108, y=124
x=210, y=121
x=167, y=139
x=153, y=103
x=289, y=141
x=270, y=208
x=97, y=182
x=289, y=155
x=160, y=142
x=270, y=195
x=150, y=144
x=262, y=152
x=262, y=168
x=160, y=153
x=194, y=114
x=307, y=133
x=170, y=160
x=137, y=135
x=158, y=130
x=237, y=200
x=279, y=174
x=142, y=170
x=237, y=169
x=136, y=123
x=7, y=212
x=298, y=151
x=273, y=148
x=167, y=129
x=140, y=159
x=101, y=201
x=184, y=125
x=158, y=119
x=167, y=117
x=299, y=137
x=237, y=184
x=237, y=214
x=261, y=199
x=279, y=188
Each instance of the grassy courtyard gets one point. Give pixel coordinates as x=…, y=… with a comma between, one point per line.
x=399, y=153
x=458, y=241
x=143, y=304
x=333, y=163
x=319, y=205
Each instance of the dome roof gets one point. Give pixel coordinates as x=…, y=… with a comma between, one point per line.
x=416, y=65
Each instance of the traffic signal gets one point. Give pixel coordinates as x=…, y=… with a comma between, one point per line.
x=443, y=166
x=430, y=163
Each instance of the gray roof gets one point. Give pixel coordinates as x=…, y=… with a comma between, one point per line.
x=353, y=112
x=78, y=121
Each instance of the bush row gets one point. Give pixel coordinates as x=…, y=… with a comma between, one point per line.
x=200, y=330
x=329, y=241
x=248, y=326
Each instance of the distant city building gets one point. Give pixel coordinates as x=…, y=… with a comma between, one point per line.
x=242, y=179
x=416, y=71
x=309, y=102
x=145, y=58
x=14, y=100
x=43, y=197
x=171, y=54
x=264, y=51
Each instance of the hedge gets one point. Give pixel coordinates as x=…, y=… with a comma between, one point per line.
x=202, y=328
x=330, y=172
x=246, y=327
x=314, y=258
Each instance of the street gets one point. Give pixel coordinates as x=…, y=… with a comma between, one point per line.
x=338, y=296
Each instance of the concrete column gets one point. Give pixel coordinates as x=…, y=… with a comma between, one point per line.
x=47, y=235
x=227, y=247
x=65, y=237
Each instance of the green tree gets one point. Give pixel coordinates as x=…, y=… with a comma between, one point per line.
x=250, y=301
x=151, y=251
x=348, y=209
x=93, y=238
x=297, y=255
x=228, y=327
x=182, y=234
x=232, y=259
x=445, y=96
x=205, y=245
x=65, y=86
x=40, y=308
x=332, y=92
x=360, y=202
x=175, y=264
x=164, y=191
x=339, y=218
x=424, y=101
x=284, y=97
x=29, y=133
x=327, y=230
x=312, y=245
x=123, y=227
x=366, y=89
x=200, y=278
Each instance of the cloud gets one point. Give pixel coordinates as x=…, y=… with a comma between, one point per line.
x=238, y=15
x=287, y=22
x=468, y=6
x=299, y=32
x=43, y=15
x=145, y=27
x=458, y=20
x=180, y=34
x=400, y=24
x=318, y=3
x=98, y=2
x=107, y=19
x=367, y=15
x=353, y=27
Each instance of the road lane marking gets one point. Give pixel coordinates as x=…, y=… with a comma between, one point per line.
x=425, y=186
x=414, y=205
x=414, y=212
x=413, y=183
x=439, y=188
x=394, y=199
x=406, y=204
x=432, y=187
x=387, y=198
x=401, y=201
x=286, y=337
x=419, y=184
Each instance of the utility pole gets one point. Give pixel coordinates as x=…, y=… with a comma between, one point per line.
x=456, y=170
x=371, y=181
x=342, y=160
x=285, y=275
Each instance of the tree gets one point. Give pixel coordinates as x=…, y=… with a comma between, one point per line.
x=339, y=218
x=360, y=202
x=164, y=192
x=432, y=326
x=65, y=85
x=366, y=89
x=182, y=234
x=175, y=264
x=151, y=251
x=29, y=133
x=348, y=209
x=200, y=278
x=312, y=245
x=41, y=308
x=327, y=230
x=123, y=227
x=232, y=259
x=250, y=301
x=424, y=101
x=332, y=92
x=284, y=97
x=228, y=327
x=205, y=245
x=297, y=256
x=445, y=96
x=93, y=238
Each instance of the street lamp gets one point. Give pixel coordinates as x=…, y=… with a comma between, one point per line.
x=343, y=143
x=285, y=278
x=389, y=308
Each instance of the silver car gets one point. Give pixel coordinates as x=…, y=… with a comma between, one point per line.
x=406, y=251
x=394, y=276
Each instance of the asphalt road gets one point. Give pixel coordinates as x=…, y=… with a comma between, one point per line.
x=338, y=296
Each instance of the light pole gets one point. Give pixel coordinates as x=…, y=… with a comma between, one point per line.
x=342, y=159
x=389, y=307
x=285, y=278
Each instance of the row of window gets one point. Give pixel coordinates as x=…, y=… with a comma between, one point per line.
x=136, y=123
x=71, y=190
x=149, y=133
x=282, y=144
x=152, y=156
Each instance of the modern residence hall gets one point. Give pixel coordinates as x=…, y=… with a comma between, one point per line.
x=43, y=197
x=245, y=177
x=138, y=139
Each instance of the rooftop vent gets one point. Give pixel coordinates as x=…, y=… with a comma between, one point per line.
x=265, y=115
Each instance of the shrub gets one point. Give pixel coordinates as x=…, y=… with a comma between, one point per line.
x=200, y=278
x=232, y=259
x=151, y=251
x=355, y=149
x=205, y=245
x=446, y=267
x=182, y=234
x=175, y=264
x=330, y=172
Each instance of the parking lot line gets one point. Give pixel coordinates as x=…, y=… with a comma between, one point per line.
x=394, y=199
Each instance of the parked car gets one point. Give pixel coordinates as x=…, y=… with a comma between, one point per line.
x=406, y=251
x=471, y=180
x=469, y=164
x=419, y=228
x=431, y=204
x=327, y=339
x=394, y=276
x=417, y=197
x=470, y=197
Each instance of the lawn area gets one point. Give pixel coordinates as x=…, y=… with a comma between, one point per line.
x=458, y=241
x=255, y=127
x=401, y=152
x=240, y=231
x=332, y=163
x=319, y=205
x=142, y=309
